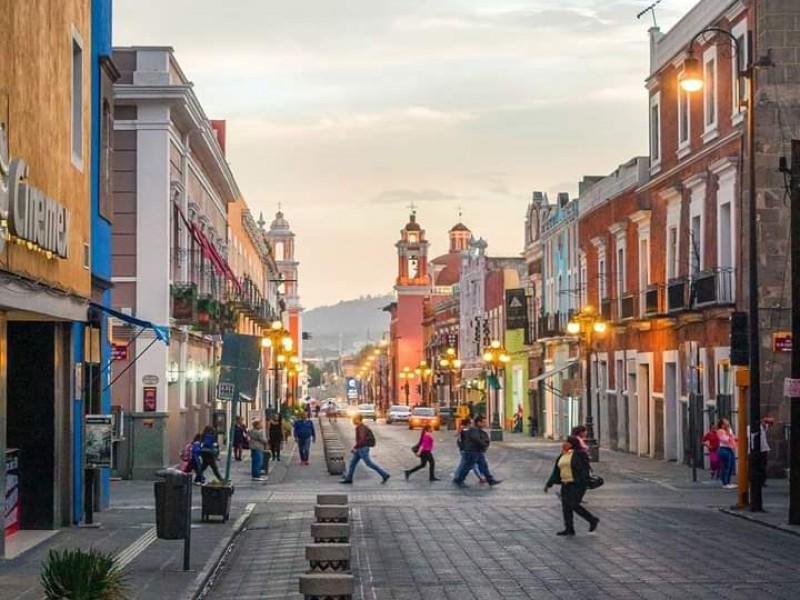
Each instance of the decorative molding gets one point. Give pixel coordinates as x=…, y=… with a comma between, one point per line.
x=696, y=180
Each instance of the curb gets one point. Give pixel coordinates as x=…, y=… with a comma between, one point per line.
x=740, y=515
x=199, y=586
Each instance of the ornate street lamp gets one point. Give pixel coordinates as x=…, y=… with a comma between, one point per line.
x=279, y=341
x=406, y=375
x=424, y=373
x=450, y=363
x=496, y=359
x=584, y=326
x=693, y=81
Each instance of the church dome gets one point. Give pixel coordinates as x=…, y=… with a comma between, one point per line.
x=280, y=223
x=459, y=227
x=412, y=225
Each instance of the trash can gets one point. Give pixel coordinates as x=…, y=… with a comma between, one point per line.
x=173, y=504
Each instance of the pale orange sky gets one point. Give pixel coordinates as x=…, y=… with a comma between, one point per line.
x=345, y=112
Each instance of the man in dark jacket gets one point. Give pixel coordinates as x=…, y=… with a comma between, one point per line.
x=572, y=471
x=476, y=442
x=304, y=434
x=365, y=440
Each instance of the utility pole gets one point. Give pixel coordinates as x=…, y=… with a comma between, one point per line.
x=794, y=442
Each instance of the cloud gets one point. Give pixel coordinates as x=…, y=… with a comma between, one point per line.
x=415, y=196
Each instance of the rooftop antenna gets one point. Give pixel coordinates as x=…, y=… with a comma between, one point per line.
x=650, y=9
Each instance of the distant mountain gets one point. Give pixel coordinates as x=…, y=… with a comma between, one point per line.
x=353, y=323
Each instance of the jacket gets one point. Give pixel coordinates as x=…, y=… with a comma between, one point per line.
x=476, y=440
x=362, y=436
x=275, y=432
x=258, y=439
x=304, y=430
x=580, y=470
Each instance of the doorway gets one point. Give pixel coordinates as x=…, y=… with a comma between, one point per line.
x=671, y=411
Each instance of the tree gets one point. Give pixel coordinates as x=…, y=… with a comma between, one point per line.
x=314, y=376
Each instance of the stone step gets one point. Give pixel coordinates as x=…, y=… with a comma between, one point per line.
x=328, y=557
x=316, y=586
x=331, y=513
x=330, y=532
x=329, y=499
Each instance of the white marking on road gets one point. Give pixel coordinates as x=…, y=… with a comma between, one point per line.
x=128, y=555
x=364, y=554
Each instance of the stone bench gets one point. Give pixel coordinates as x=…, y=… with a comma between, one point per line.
x=329, y=499
x=323, y=558
x=331, y=513
x=330, y=533
x=327, y=586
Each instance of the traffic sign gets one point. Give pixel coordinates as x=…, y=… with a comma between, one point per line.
x=225, y=391
x=791, y=387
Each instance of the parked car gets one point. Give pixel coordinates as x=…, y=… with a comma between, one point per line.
x=398, y=412
x=367, y=411
x=422, y=415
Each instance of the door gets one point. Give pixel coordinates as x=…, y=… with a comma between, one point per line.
x=613, y=421
x=658, y=429
x=671, y=411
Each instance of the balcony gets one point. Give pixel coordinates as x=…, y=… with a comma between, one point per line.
x=676, y=295
x=653, y=300
x=627, y=307
x=606, y=308
x=713, y=287
x=184, y=303
x=552, y=325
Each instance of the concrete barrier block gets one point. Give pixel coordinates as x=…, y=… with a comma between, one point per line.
x=335, y=464
x=316, y=586
x=331, y=513
x=328, y=557
x=330, y=533
x=328, y=499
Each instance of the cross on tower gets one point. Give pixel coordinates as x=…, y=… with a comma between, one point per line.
x=413, y=208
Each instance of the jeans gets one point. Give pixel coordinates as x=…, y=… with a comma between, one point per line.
x=360, y=454
x=425, y=458
x=209, y=459
x=571, y=498
x=461, y=464
x=471, y=460
x=257, y=458
x=304, y=445
x=726, y=460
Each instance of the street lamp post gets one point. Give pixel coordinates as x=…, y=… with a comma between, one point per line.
x=585, y=325
x=278, y=340
x=692, y=81
x=495, y=358
x=451, y=364
x=406, y=375
x=424, y=372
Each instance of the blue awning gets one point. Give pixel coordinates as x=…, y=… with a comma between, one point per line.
x=161, y=331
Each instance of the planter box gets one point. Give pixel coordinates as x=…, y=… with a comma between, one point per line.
x=216, y=502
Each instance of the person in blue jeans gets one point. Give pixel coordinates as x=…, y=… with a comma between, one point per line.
x=304, y=434
x=258, y=445
x=365, y=440
x=476, y=441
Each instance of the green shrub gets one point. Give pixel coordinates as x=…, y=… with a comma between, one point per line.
x=82, y=575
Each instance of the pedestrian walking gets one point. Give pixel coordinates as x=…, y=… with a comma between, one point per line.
x=727, y=452
x=764, y=450
x=191, y=461
x=304, y=435
x=275, y=436
x=711, y=443
x=239, y=438
x=464, y=426
x=571, y=471
x=258, y=445
x=518, y=419
x=476, y=442
x=579, y=433
x=424, y=449
x=365, y=440
x=209, y=451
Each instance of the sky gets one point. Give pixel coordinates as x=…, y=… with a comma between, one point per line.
x=345, y=112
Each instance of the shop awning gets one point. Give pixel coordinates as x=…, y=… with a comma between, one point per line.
x=471, y=373
x=493, y=381
x=161, y=331
x=551, y=372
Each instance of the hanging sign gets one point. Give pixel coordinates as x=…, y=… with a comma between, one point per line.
x=516, y=309
x=150, y=399
x=99, y=434
x=782, y=341
x=119, y=351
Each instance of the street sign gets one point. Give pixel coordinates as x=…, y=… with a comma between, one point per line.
x=119, y=351
x=791, y=388
x=225, y=391
x=150, y=380
x=782, y=341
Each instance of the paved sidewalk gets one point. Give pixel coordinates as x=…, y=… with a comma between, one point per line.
x=129, y=525
x=672, y=476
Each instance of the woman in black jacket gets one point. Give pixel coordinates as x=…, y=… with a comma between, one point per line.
x=571, y=471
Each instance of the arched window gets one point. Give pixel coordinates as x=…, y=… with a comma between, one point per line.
x=279, y=251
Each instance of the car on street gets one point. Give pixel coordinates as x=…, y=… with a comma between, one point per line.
x=367, y=411
x=398, y=412
x=422, y=415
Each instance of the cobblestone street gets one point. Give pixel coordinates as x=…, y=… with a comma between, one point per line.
x=660, y=535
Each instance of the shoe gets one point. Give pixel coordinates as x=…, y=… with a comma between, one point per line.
x=566, y=532
x=346, y=481
x=482, y=479
x=435, y=479
x=593, y=525
x=385, y=479
x=730, y=486
x=407, y=474
x=495, y=482
x=460, y=484
x=259, y=478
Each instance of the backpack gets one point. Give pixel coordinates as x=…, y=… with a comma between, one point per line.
x=186, y=453
x=370, y=437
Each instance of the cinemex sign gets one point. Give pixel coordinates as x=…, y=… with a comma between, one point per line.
x=27, y=215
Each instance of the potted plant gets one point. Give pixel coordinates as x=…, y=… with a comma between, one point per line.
x=216, y=500
x=82, y=575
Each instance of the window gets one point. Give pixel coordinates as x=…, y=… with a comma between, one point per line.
x=696, y=244
x=106, y=162
x=644, y=264
x=77, y=99
x=672, y=253
x=601, y=276
x=673, y=240
x=621, y=283
x=710, y=93
x=583, y=284
x=738, y=64
x=726, y=230
x=684, y=121
x=696, y=225
x=655, y=129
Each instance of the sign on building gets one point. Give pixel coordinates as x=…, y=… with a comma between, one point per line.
x=99, y=436
x=516, y=309
x=353, y=388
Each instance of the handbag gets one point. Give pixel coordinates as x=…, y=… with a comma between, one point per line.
x=415, y=447
x=594, y=481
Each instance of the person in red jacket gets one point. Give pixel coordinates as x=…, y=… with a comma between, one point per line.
x=711, y=441
x=365, y=440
